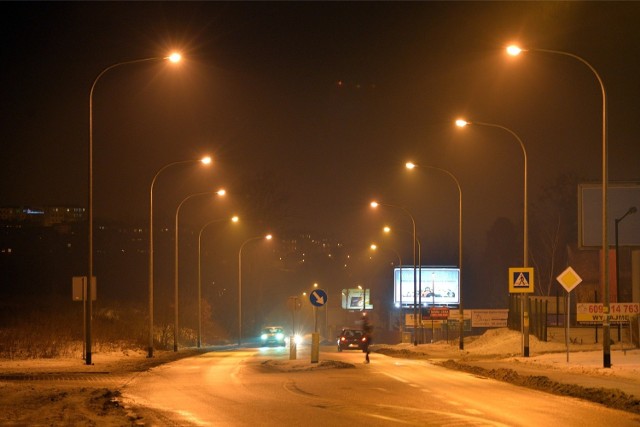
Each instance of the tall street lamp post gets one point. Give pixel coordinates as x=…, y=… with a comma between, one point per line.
x=268, y=237
x=606, y=331
x=176, y=282
x=630, y=211
x=175, y=57
x=525, y=239
x=374, y=247
x=205, y=161
x=233, y=219
x=415, y=284
x=410, y=166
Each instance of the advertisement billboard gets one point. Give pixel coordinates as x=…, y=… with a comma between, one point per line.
x=356, y=299
x=435, y=285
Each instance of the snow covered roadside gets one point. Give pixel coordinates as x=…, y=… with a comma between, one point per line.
x=45, y=392
x=497, y=355
x=68, y=392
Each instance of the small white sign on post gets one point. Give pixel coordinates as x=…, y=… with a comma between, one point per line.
x=569, y=279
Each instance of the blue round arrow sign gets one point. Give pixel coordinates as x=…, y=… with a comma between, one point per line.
x=318, y=297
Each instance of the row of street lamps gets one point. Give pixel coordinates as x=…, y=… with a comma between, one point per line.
x=514, y=51
x=511, y=50
x=174, y=58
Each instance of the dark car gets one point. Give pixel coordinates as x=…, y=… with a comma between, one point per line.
x=272, y=335
x=351, y=339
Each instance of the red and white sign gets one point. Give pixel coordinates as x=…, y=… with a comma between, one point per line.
x=620, y=312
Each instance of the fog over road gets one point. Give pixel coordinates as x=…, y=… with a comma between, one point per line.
x=261, y=387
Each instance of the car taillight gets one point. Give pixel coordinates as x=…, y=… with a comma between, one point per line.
x=343, y=339
x=364, y=339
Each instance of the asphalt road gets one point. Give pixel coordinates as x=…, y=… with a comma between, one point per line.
x=262, y=387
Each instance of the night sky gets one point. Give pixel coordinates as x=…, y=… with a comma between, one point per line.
x=324, y=102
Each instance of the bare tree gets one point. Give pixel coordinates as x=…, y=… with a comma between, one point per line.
x=554, y=227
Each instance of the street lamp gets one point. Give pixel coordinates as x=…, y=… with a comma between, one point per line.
x=387, y=229
x=88, y=303
x=630, y=211
x=374, y=247
x=374, y=205
x=204, y=161
x=175, y=287
x=514, y=50
x=268, y=237
x=525, y=252
x=411, y=166
x=234, y=219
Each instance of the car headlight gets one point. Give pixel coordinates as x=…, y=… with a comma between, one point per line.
x=263, y=337
x=297, y=339
x=280, y=336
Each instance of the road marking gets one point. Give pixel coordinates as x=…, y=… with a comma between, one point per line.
x=382, y=417
x=402, y=380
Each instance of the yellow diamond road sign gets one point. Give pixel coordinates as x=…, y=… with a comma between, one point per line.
x=569, y=279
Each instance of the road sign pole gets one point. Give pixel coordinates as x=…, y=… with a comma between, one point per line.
x=317, y=298
x=568, y=325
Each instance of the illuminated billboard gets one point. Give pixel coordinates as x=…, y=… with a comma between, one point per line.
x=435, y=285
x=356, y=299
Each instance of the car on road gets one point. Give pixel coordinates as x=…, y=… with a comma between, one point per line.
x=272, y=335
x=351, y=339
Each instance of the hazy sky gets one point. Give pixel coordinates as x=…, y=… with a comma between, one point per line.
x=327, y=99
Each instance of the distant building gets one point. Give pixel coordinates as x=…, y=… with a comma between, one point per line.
x=42, y=216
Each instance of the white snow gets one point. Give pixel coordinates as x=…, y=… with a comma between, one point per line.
x=56, y=384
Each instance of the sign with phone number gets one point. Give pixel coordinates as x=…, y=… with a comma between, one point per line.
x=621, y=312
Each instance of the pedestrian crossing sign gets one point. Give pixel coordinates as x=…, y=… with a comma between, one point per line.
x=521, y=280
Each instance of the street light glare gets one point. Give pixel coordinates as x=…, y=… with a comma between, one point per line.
x=462, y=123
x=374, y=204
x=410, y=165
x=373, y=246
x=268, y=237
x=235, y=219
x=221, y=192
x=206, y=160
x=386, y=229
x=174, y=57
x=513, y=50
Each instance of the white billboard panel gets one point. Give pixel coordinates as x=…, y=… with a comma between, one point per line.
x=356, y=299
x=435, y=285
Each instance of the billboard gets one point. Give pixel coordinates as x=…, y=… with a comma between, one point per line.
x=435, y=285
x=620, y=197
x=356, y=299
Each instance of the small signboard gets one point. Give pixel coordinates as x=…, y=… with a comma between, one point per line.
x=438, y=313
x=593, y=313
x=569, y=279
x=356, y=299
x=79, y=288
x=521, y=280
x=495, y=318
x=318, y=297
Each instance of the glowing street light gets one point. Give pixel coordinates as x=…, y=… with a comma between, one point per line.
x=88, y=303
x=234, y=219
x=267, y=237
x=515, y=50
x=525, y=251
x=175, y=288
x=205, y=161
x=174, y=57
x=374, y=205
x=411, y=166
